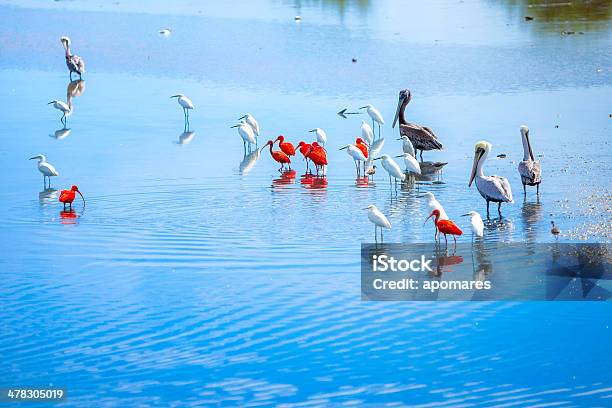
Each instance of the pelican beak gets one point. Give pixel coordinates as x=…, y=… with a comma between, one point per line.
x=529, y=146
x=397, y=111
x=477, y=157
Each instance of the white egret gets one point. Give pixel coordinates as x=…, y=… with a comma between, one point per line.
x=379, y=220
x=433, y=204
x=185, y=103
x=246, y=133
x=412, y=165
x=356, y=153
x=375, y=115
x=47, y=169
x=366, y=132
x=321, y=135
x=62, y=107
x=407, y=146
x=392, y=168
x=250, y=119
x=491, y=188
x=476, y=224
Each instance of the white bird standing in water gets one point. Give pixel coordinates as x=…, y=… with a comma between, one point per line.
x=491, y=188
x=392, y=168
x=379, y=220
x=375, y=115
x=321, y=135
x=412, y=165
x=250, y=119
x=357, y=155
x=476, y=224
x=62, y=107
x=185, y=103
x=366, y=132
x=246, y=133
x=47, y=169
x=407, y=146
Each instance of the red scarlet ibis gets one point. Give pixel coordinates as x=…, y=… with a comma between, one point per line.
x=445, y=226
x=277, y=155
x=318, y=155
x=286, y=147
x=67, y=196
x=362, y=146
x=305, y=149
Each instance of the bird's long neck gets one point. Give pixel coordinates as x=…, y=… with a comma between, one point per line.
x=402, y=119
x=270, y=148
x=436, y=219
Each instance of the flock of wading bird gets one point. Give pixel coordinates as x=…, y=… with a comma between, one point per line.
x=364, y=152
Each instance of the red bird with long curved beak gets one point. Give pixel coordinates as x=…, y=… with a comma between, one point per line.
x=277, y=155
x=305, y=149
x=67, y=196
x=445, y=226
x=361, y=145
x=318, y=155
x=286, y=147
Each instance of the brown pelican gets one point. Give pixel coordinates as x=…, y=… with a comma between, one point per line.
x=74, y=62
x=491, y=188
x=529, y=168
x=422, y=138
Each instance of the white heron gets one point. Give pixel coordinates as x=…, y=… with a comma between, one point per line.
x=47, y=169
x=407, y=146
x=379, y=220
x=366, y=132
x=357, y=155
x=491, y=188
x=392, y=168
x=246, y=133
x=529, y=168
x=73, y=62
x=375, y=115
x=321, y=135
x=476, y=224
x=185, y=103
x=434, y=204
x=63, y=107
x=412, y=165
x=250, y=119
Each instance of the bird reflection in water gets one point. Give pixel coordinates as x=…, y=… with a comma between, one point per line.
x=185, y=138
x=47, y=196
x=444, y=260
x=313, y=182
x=531, y=213
x=60, y=134
x=248, y=161
x=69, y=217
x=362, y=181
x=287, y=177
x=482, y=266
x=75, y=89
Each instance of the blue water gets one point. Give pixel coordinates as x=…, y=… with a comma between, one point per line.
x=195, y=277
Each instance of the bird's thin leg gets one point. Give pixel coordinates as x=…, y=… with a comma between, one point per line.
x=445, y=240
x=70, y=205
x=499, y=208
x=538, y=189
x=375, y=234
x=381, y=235
x=524, y=190
x=421, y=155
x=64, y=206
x=487, y=208
x=70, y=76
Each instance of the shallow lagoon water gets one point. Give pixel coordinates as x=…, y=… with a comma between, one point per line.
x=187, y=279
